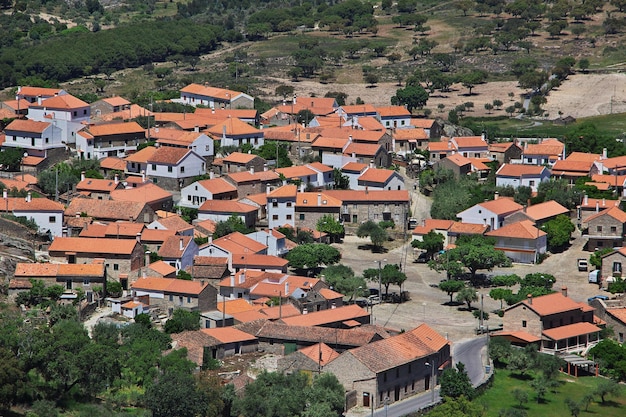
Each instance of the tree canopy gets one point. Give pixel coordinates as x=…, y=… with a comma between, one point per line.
x=389, y=274
x=333, y=227
x=312, y=255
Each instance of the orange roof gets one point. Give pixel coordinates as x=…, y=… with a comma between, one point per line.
x=174, y=222
x=480, y=164
x=105, y=209
x=233, y=127
x=116, y=101
x=458, y=159
x=618, y=313
x=143, y=155
x=432, y=224
x=500, y=146
x=166, y=133
x=409, y=134
x=370, y=123
x=423, y=123
x=246, y=278
x=226, y=113
x=367, y=149
x=278, y=312
x=354, y=167
x=359, y=109
x=523, y=336
x=519, y=170
x=570, y=330
x=238, y=305
x=35, y=204
x=296, y=171
x=260, y=199
x=217, y=186
x=613, y=212
x=329, y=294
x=25, y=125
x=602, y=203
x=584, y=157
x=168, y=155
x=441, y=146
x=397, y=350
x=614, y=180
x=35, y=270
x=577, y=168
x=147, y=192
x=226, y=206
x=550, y=147
x=237, y=243
x=310, y=199
x=318, y=318
x=22, y=104
x=63, y=102
x=380, y=176
x=115, y=129
x=38, y=91
x=246, y=176
x=127, y=229
x=519, y=230
x=85, y=270
x=111, y=162
x=616, y=162
x=602, y=186
x=390, y=111
x=501, y=206
x=545, y=210
x=320, y=353
x=17, y=183
x=470, y=142
x=546, y=305
x=93, y=245
x=207, y=91
x=228, y=334
x=284, y=192
x=370, y=196
x=162, y=268
x=240, y=158
x=156, y=235
x=169, y=285
x=318, y=166
x=330, y=142
x=96, y=184
x=468, y=228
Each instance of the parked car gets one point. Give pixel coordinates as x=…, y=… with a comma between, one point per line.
x=422, y=258
x=582, y=264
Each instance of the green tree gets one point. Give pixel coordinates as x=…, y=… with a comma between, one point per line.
x=325, y=397
x=389, y=274
x=573, y=407
x=284, y=91
x=478, y=252
x=540, y=385
x=273, y=395
x=11, y=158
x=451, y=286
x=457, y=407
x=312, y=256
x=175, y=394
x=499, y=350
x=471, y=79
x=412, y=97
x=467, y=295
x=432, y=243
x=342, y=182
x=596, y=258
x=233, y=224
x=455, y=383
x=182, y=320
x=559, y=232
x=371, y=229
x=305, y=116
x=342, y=279
x=505, y=280
x=334, y=228
x=520, y=395
x=500, y=294
x=607, y=387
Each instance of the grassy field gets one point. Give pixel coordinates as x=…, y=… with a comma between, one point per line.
x=499, y=397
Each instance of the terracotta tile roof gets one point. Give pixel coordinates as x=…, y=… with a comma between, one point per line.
x=618, y=313
x=128, y=229
x=370, y=123
x=259, y=199
x=116, y=101
x=330, y=142
x=25, y=125
x=184, y=139
x=297, y=107
x=576, y=168
x=17, y=183
x=32, y=161
x=142, y=156
x=432, y=224
x=480, y=164
x=237, y=243
x=228, y=335
x=322, y=317
x=320, y=353
x=249, y=316
x=583, y=157
x=166, y=133
x=240, y=158
x=217, y=186
x=329, y=294
x=35, y=270
x=62, y=102
x=207, y=91
x=111, y=162
x=500, y=146
x=318, y=166
x=602, y=186
x=226, y=206
x=238, y=305
x=35, y=204
x=545, y=210
x=226, y=113
x=168, y=155
x=171, y=248
x=390, y=111
x=96, y=184
x=458, y=159
x=397, y=350
x=274, y=284
x=115, y=129
x=162, y=268
x=174, y=222
x=470, y=142
x=519, y=170
x=194, y=341
x=401, y=135
x=156, y=235
x=285, y=191
x=246, y=177
x=28, y=91
x=366, y=149
x=613, y=212
x=169, y=285
x=354, y=167
x=468, y=228
x=20, y=284
x=345, y=337
x=147, y=192
x=616, y=162
x=94, y=230
x=296, y=171
x=601, y=203
x=248, y=278
x=277, y=312
x=423, y=123
x=93, y=245
x=84, y=270
x=310, y=199
x=550, y=147
x=359, y=109
x=546, y=305
x=571, y=330
x=329, y=121
x=501, y=206
x=519, y=230
x=234, y=127
x=105, y=209
x=380, y=176
x=523, y=336
x=206, y=226
x=612, y=180
x=14, y=105
x=369, y=196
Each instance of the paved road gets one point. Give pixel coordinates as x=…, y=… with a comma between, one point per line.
x=473, y=354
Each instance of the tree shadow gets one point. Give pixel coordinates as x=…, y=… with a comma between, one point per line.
x=373, y=249
x=521, y=377
x=452, y=304
x=609, y=403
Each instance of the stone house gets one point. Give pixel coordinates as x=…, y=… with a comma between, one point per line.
x=176, y=293
x=311, y=207
x=109, y=210
x=504, y=152
x=613, y=312
x=360, y=206
x=613, y=264
x=606, y=229
x=197, y=193
x=590, y=206
x=309, y=359
x=251, y=182
x=238, y=162
x=393, y=369
x=70, y=276
x=457, y=163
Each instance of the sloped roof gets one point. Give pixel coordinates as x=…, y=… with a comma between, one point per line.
x=147, y=192
x=520, y=230
x=380, y=176
x=143, y=155
x=390, y=111
x=162, y=268
x=217, y=186
x=228, y=334
x=468, y=228
x=105, y=209
x=296, y=171
x=409, y=134
x=545, y=210
x=168, y=155
x=169, y=285
x=312, y=199
x=156, y=235
x=247, y=176
x=115, y=129
x=318, y=318
x=237, y=305
x=359, y=109
x=62, y=102
x=576, y=168
x=583, y=157
x=320, y=353
x=111, y=162
x=207, y=91
x=613, y=212
x=354, y=167
x=35, y=204
x=25, y=125
x=367, y=149
x=240, y=158
x=93, y=245
x=519, y=170
x=96, y=184
x=458, y=159
x=423, y=123
x=470, y=142
x=116, y=101
x=239, y=243
x=571, y=330
x=549, y=304
x=432, y=224
x=172, y=246
x=501, y=206
x=289, y=190
x=550, y=147
x=330, y=142
x=233, y=127
x=375, y=195
x=174, y=222
x=226, y=206
x=38, y=91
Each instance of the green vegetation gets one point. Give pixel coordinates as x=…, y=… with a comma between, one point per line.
x=432, y=243
x=341, y=278
x=334, y=228
x=376, y=233
x=312, y=256
x=389, y=274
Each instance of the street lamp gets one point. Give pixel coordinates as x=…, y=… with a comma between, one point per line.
x=380, y=280
x=431, y=365
x=386, y=405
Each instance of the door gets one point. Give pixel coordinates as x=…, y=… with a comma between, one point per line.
x=396, y=394
x=366, y=399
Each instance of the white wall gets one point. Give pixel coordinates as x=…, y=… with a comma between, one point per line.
x=190, y=166
x=478, y=215
x=50, y=138
x=280, y=212
x=48, y=220
x=194, y=195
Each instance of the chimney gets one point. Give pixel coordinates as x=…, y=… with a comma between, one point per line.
x=350, y=139
x=212, y=110
x=366, y=189
x=597, y=206
x=232, y=280
x=82, y=176
x=211, y=175
x=252, y=170
x=210, y=240
x=294, y=99
x=302, y=188
x=524, y=208
x=147, y=261
x=116, y=179
x=564, y=291
x=143, y=273
x=5, y=195
x=372, y=163
x=264, y=167
x=242, y=277
x=224, y=132
x=319, y=199
x=529, y=297
x=156, y=130
x=586, y=200
x=39, y=100
x=604, y=154
x=496, y=195
x=28, y=197
x=286, y=288
x=138, y=238
x=604, y=202
x=196, y=129
x=77, y=214
x=143, y=176
x=267, y=189
x=181, y=245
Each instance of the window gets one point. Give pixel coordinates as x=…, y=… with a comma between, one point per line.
x=354, y=218
x=86, y=283
x=47, y=140
x=275, y=217
x=621, y=337
x=154, y=167
x=613, y=229
x=75, y=113
x=274, y=204
x=301, y=216
x=171, y=297
x=385, y=376
x=85, y=112
x=598, y=228
x=189, y=197
x=116, y=267
x=523, y=323
x=188, y=300
x=207, y=148
x=289, y=217
x=617, y=267
x=531, y=183
x=52, y=219
x=289, y=203
x=169, y=169
x=182, y=170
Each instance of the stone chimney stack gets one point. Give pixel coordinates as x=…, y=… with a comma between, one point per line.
x=181, y=245
x=530, y=299
x=147, y=260
x=564, y=291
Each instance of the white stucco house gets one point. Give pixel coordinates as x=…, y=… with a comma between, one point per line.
x=518, y=175
x=35, y=138
x=47, y=214
x=234, y=132
x=66, y=112
x=213, y=97
x=281, y=206
x=195, y=194
x=175, y=163
x=490, y=213
x=380, y=179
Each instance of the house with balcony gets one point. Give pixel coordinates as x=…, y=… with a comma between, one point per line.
x=605, y=229
x=521, y=242
x=554, y=321
x=518, y=175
